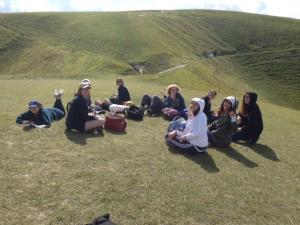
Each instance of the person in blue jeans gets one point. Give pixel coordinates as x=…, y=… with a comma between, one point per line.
x=39, y=116
x=171, y=99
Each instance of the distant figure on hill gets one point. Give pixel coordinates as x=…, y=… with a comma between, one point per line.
x=250, y=123
x=123, y=93
x=220, y=132
x=193, y=139
x=211, y=95
x=171, y=99
x=78, y=116
x=37, y=116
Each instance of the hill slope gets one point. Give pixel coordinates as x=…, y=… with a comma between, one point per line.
x=258, y=48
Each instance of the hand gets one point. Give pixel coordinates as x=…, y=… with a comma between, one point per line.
x=26, y=122
x=182, y=138
x=232, y=114
x=239, y=119
x=162, y=93
x=172, y=135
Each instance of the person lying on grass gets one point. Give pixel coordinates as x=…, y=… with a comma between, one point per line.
x=113, y=108
x=250, y=122
x=220, y=132
x=78, y=117
x=171, y=99
x=40, y=117
x=123, y=93
x=193, y=138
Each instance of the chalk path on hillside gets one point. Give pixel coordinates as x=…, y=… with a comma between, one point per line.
x=181, y=65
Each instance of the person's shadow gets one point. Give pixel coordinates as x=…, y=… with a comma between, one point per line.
x=234, y=154
x=263, y=150
x=203, y=159
x=80, y=137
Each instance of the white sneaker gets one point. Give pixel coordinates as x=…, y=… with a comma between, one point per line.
x=56, y=94
x=61, y=92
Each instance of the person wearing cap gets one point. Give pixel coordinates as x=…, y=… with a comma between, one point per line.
x=211, y=95
x=37, y=115
x=193, y=139
x=78, y=117
x=250, y=122
x=89, y=100
x=220, y=131
x=123, y=93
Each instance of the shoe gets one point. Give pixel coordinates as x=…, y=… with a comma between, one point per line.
x=61, y=92
x=149, y=112
x=56, y=94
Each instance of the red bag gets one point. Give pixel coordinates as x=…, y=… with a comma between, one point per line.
x=169, y=113
x=115, y=123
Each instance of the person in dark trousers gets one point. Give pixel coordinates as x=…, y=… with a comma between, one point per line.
x=220, y=131
x=39, y=116
x=171, y=99
x=207, y=110
x=250, y=122
x=123, y=93
x=78, y=117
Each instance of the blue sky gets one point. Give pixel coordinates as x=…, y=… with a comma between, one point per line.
x=286, y=8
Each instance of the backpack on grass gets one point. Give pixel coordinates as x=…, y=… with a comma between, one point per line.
x=134, y=113
x=115, y=123
x=102, y=220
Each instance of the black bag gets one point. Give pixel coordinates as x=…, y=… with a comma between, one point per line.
x=102, y=220
x=135, y=113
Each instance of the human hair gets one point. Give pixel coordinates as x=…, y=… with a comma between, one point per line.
x=120, y=80
x=168, y=89
x=244, y=107
x=79, y=92
x=221, y=108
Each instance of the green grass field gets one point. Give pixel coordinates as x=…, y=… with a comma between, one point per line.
x=50, y=176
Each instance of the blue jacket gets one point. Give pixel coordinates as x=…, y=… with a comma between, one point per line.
x=77, y=114
x=177, y=104
x=44, y=117
x=123, y=94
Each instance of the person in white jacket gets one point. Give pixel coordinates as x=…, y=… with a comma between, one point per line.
x=194, y=137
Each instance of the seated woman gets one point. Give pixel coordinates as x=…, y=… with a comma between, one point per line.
x=207, y=110
x=220, y=132
x=172, y=99
x=193, y=138
x=37, y=116
x=123, y=93
x=250, y=122
x=78, y=116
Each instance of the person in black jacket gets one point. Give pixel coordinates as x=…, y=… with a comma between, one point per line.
x=123, y=93
x=207, y=110
x=250, y=123
x=78, y=116
x=37, y=116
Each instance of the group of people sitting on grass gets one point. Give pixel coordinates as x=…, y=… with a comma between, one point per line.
x=202, y=126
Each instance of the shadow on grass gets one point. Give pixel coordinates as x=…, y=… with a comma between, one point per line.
x=263, y=150
x=80, y=138
x=203, y=159
x=234, y=154
x=116, y=132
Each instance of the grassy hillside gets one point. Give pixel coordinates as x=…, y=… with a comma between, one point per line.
x=55, y=177
x=259, y=48
x=51, y=176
